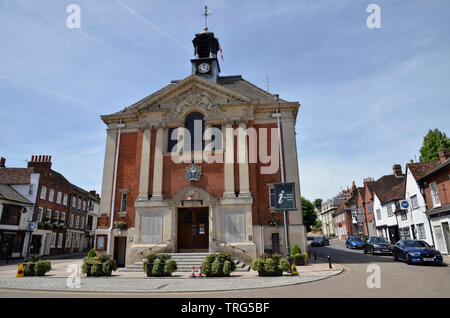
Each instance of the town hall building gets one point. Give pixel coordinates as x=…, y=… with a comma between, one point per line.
x=166, y=189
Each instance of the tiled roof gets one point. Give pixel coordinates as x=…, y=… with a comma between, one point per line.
x=440, y=166
x=8, y=193
x=15, y=175
x=389, y=187
x=420, y=169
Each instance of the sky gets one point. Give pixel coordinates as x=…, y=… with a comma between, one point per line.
x=368, y=95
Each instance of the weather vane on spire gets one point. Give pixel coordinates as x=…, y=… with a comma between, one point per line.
x=206, y=13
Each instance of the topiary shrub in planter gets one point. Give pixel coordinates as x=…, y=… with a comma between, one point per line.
x=92, y=253
x=42, y=267
x=98, y=266
x=96, y=269
x=159, y=265
x=273, y=265
x=108, y=267
x=28, y=269
x=218, y=265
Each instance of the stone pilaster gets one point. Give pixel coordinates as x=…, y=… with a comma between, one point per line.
x=158, y=165
x=229, y=161
x=144, y=175
x=244, y=183
x=108, y=171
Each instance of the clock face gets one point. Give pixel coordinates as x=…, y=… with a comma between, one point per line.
x=204, y=68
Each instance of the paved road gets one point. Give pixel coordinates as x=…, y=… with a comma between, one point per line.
x=397, y=280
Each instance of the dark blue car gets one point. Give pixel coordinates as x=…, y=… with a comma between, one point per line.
x=354, y=242
x=416, y=252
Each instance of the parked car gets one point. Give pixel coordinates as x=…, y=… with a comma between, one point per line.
x=320, y=241
x=416, y=252
x=375, y=244
x=354, y=242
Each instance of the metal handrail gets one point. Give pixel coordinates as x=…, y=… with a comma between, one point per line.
x=155, y=246
x=228, y=247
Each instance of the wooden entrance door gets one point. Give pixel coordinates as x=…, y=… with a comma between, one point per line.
x=193, y=229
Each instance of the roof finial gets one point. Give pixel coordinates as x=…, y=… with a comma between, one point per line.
x=206, y=13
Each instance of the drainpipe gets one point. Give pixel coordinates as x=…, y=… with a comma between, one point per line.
x=111, y=221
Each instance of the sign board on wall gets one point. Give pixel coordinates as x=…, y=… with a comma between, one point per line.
x=285, y=196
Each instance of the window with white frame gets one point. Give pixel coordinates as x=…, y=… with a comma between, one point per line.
x=77, y=221
x=51, y=195
x=378, y=214
x=123, y=203
x=369, y=207
x=84, y=205
x=40, y=214
x=59, y=197
x=30, y=189
x=66, y=197
x=63, y=218
x=56, y=216
x=272, y=198
x=390, y=211
x=434, y=195
x=60, y=240
x=414, y=202
x=71, y=220
x=403, y=215
x=74, y=202
x=82, y=223
x=53, y=240
x=68, y=240
x=43, y=193
x=48, y=216
x=421, y=231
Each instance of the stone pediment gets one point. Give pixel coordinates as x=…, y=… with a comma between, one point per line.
x=192, y=93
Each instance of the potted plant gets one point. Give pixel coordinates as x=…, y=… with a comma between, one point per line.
x=159, y=265
x=274, y=221
x=120, y=225
x=273, y=265
x=297, y=256
x=218, y=265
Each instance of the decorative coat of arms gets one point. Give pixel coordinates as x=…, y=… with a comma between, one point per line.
x=193, y=173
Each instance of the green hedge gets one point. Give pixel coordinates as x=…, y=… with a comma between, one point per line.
x=273, y=265
x=159, y=265
x=218, y=265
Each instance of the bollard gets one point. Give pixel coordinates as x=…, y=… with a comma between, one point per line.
x=329, y=261
x=199, y=273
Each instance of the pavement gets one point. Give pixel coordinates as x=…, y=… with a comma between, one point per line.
x=59, y=279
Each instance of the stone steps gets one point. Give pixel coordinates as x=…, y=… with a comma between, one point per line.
x=185, y=261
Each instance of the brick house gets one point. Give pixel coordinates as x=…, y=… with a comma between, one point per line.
x=50, y=194
x=150, y=198
x=436, y=188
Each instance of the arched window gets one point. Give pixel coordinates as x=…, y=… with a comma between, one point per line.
x=195, y=124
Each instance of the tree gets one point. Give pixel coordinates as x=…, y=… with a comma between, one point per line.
x=318, y=203
x=309, y=216
x=433, y=143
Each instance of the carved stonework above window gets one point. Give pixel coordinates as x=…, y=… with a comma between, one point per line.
x=194, y=99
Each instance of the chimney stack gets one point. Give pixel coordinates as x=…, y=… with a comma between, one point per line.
x=41, y=163
x=2, y=162
x=397, y=169
x=353, y=185
x=444, y=155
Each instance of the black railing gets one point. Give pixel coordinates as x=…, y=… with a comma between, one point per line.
x=236, y=252
x=155, y=248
